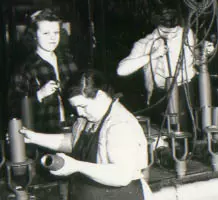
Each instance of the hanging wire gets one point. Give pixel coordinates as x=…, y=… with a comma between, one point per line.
x=196, y=11
x=179, y=66
x=201, y=9
x=176, y=73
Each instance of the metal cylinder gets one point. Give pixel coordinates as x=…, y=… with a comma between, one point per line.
x=205, y=96
x=206, y=116
x=204, y=86
x=21, y=194
x=173, y=101
x=181, y=168
x=215, y=116
x=17, y=144
x=27, y=112
x=215, y=162
x=52, y=162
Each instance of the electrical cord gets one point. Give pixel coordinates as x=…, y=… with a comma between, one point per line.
x=197, y=9
x=154, y=82
x=168, y=94
x=179, y=66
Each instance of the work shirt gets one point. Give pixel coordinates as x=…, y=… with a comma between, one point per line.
x=175, y=47
x=121, y=139
x=28, y=79
x=180, y=54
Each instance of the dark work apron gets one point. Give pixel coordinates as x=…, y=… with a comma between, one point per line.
x=84, y=188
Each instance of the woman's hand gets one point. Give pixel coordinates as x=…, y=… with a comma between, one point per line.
x=70, y=166
x=28, y=134
x=159, y=51
x=49, y=88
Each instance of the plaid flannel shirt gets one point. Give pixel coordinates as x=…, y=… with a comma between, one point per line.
x=33, y=74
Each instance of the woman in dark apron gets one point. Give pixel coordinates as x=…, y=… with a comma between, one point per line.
x=84, y=188
x=108, y=146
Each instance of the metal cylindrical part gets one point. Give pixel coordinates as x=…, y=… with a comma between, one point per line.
x=52, y=162
x=206, y=116
x=215, y=162
x=181, y=168
x=21, y=194
x=204, y=86
x=27, y=112
x=205, y=96
x=17, y=144
x=173, y=107
x=215, y=116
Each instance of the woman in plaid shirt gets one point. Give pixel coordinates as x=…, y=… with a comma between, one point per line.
x=43, y=75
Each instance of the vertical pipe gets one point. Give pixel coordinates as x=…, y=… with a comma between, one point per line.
x=27, y=112
x=173, y=101
x=215, y=116
x=17, y=144
x=205, y=92
x=168, y=58
x=21, y=194
x=204, y=87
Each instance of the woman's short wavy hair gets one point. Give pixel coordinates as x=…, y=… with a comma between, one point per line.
x=29, y=37
x=87, y=83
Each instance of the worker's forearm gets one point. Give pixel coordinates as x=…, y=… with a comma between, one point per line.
x=51, y=141
x=131, y=65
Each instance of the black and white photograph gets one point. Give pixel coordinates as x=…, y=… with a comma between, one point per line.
x=109, y=100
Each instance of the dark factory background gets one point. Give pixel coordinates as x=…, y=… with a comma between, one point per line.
x=102, y=32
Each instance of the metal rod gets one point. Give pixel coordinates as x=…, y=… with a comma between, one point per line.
x=168, y=57
x=17, y=144
x=173, y=104
x=205, y=91
x=27, y=112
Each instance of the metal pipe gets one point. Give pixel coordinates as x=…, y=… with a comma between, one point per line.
x=52, y=162
x=17, y=144
x=173, y=101
x=205, y=91
x=21, y=194
x=214, y=155
x=168, y=58
x=215, y=116
x=27, y=112
x=204, y=86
